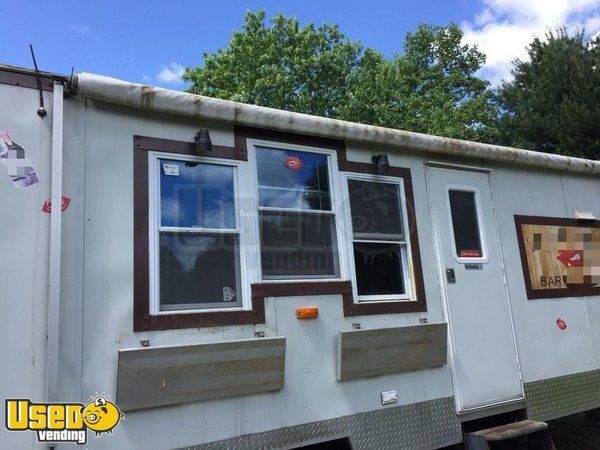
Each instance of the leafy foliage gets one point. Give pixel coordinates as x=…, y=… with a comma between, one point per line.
x=432, y=87
x=552, y=105
x=285, y=66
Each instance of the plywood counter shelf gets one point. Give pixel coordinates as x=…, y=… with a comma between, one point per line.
x=366, y=353
x=151, y=377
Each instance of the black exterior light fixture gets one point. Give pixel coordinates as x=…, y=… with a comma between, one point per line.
x=383, y=163
x=203, y=142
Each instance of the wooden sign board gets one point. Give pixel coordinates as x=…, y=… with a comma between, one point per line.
x=560, y=257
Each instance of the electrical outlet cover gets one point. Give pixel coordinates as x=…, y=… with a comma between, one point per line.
x=388, y=397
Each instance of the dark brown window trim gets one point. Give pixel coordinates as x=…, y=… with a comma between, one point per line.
x=535, y=294
x=142, y=319
x=188, y=148
x=263, y=290
x=242, y=133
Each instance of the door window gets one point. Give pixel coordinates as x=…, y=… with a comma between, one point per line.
x=465, y=224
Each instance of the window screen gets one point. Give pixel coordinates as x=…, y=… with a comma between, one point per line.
x=379, y=244
x=375, y=209
x=198, y=241
x=297, y=224
x=465, y=224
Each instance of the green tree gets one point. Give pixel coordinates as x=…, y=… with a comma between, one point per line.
x=552, y=104
x=284, y=66
x=431, y=87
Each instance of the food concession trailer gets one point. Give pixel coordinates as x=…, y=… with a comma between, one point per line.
x=235, y=276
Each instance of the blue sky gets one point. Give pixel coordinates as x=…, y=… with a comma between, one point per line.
x=150, y=41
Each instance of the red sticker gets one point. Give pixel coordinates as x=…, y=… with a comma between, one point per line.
x=293, y=162
x=64, y=204
x=470, y=254
x=571, y=258
x=561, y=324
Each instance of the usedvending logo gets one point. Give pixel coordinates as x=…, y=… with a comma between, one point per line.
x=63, y=422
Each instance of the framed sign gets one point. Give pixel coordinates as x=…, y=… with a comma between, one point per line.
x=560, y=257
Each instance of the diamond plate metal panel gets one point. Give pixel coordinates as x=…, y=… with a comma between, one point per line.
x=563, y=396
x=424, y=425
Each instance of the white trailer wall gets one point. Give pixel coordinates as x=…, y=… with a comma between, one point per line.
x=545, y=350
x=24, y=239
x=311, y=390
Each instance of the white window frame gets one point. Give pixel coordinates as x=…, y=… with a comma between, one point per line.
x=407, y=264
x=154, y=228
x=334, y=192
x=485, y=257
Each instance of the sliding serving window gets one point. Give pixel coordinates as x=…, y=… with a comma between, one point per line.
x=295, y=214
x=196, y=236
x=379, y=241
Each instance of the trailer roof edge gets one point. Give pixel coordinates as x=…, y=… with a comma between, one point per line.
x=27, y=78
x=184, y=104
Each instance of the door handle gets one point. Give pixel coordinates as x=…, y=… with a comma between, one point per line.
x=450, y=275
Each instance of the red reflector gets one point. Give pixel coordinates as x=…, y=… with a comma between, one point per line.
x=307, y=313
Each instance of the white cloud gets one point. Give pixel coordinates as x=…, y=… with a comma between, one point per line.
x=170, y=74
x=504, y=28
x=80, y=29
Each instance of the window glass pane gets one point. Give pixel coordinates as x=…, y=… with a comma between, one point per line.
x=378, y=268
x=196, y=195
x=297, y=245
x=199, y=271
x=375, y=208
x=463, y=209
x=290, y=179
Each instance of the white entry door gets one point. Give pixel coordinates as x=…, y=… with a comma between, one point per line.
x=484, y=358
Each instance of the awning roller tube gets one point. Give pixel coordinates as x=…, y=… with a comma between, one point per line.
x=184, y=104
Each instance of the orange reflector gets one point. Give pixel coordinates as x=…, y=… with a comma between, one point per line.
x=307, y=313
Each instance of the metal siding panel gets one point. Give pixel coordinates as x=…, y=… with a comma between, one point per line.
x=365, y=353
x=430, y=424
x=562, y=396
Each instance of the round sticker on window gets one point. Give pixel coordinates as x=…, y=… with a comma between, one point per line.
x=293, y=162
